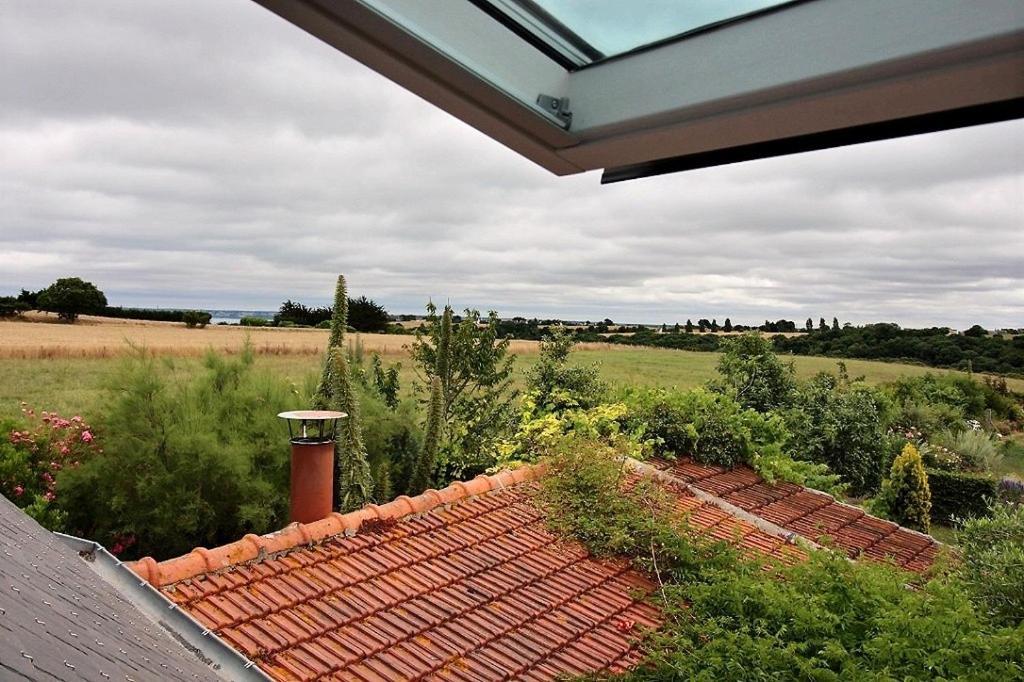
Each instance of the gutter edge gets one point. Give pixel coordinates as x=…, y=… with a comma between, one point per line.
x=227, y=662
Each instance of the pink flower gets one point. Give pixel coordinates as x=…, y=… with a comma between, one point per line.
x=18, y=491
x=64, y=449
x=86, y=436
x=50, y=497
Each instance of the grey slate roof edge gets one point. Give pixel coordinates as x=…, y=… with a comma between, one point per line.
x=223, y=659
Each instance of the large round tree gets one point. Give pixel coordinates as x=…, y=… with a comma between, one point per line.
x=69, y=297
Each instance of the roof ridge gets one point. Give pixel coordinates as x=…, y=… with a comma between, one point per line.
x=759, y=522
x=202, y=560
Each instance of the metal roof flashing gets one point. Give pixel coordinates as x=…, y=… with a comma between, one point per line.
x=222, y=659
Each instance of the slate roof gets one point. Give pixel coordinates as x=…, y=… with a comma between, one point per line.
x=467, y=583
x=811, y=514
x=60, y=621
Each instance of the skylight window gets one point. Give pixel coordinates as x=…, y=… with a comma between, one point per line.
x=643, y=87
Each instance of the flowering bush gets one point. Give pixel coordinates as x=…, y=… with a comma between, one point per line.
x=34, y=452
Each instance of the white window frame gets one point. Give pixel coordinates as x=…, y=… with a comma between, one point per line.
x=808, y=75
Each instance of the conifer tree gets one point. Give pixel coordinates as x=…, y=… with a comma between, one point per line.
x=422, y=477
x=809, y=325
x=910, y=498
x=822, y=325
x=727, y=327
x=689, y=326
x=835, y=324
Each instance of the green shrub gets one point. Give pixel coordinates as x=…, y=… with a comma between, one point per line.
x=729, y=619
x=906, y=493
x=841, y=425
x=958, y=394
x=556, y=384
x=960, y=495
x=993, y=562
x=715, y=429
x=196, y=318
x=392, y=437
x=187, y=459
x=753, y=374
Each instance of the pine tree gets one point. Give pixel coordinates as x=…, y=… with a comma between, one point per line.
x=835, y=324
x=335, y=392
x=910, y=498
x=822, y=325
x=422, y=477
x=727, y=327
x=714, y=325
x=689, y=327
x=809, y=325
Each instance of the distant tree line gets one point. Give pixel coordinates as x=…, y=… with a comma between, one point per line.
x=364, y=315
x=70, y=297
x=935, y=346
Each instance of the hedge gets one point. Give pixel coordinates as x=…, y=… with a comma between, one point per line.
x=154, y=314
x=960, y=494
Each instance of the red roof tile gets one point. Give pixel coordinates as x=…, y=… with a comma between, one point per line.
x=467, y=583
x=463, y=583
x=812, y=515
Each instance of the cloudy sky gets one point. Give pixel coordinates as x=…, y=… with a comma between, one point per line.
x=207, y=154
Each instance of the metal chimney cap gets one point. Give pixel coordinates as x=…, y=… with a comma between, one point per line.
x=312, y=415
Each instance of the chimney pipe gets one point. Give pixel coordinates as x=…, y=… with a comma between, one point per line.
x=312, y=436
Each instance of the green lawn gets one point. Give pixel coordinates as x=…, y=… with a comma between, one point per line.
x=76, y=385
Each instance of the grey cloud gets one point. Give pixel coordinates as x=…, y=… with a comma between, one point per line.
x=210, y=154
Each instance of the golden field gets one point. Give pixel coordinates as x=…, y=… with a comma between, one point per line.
x=40, y=336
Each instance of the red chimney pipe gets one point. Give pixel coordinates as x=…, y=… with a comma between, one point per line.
x=312, y=471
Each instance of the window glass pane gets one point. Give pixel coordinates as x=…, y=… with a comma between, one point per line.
x=611, y=27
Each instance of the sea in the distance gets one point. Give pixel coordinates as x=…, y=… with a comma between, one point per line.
x=235, y=316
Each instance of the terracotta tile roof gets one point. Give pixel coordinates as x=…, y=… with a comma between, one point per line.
x=814, y=515
x=465, y=583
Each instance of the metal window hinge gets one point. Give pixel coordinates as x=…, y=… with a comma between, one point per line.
x=557, y=107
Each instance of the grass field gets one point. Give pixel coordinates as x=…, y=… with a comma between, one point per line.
x=65, y=367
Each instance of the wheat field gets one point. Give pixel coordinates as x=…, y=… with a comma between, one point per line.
x=42, y=337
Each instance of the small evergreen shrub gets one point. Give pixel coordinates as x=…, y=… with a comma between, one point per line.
x=253, y=321
x=908, y=495
x=960, y=494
